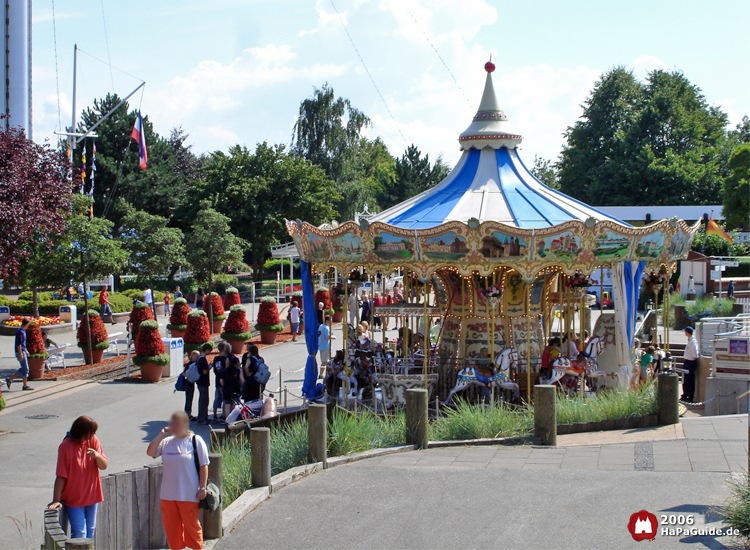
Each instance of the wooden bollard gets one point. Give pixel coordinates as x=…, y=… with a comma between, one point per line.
x=317, y=434
x=545, y=413
x=417, y=426
x=80, y=544
x=667, y=394
x=260, y=455
x=212, y=521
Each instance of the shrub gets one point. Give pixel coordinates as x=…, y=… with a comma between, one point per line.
x=99, y=336
x=214, y=304
x=738, y=506
x=178, y=317
x=268, y=316
x=138, y=294
x=149, y=347
x=141, y=312
x=272, y=267
x=236, y=327
x=29, y=295
x=47, y=307
x=220, y=282
x=231, y=298
x=119, y=302
x=35, y=342
x=197, y=331
x=322, y=295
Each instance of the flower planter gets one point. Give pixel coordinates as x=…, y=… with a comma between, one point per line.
x=177, y=333
x=151, y=372
x=238, y=346
x=337, y=316
x=97, y=353
x=268, y=336
x=36, y=367
x=217, y=325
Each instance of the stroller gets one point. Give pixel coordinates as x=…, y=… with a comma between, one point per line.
x=252, y=410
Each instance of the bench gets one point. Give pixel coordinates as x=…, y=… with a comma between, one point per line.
x=56, y=356
x=113, y=345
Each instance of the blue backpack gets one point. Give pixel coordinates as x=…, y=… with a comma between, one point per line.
x=181, y=383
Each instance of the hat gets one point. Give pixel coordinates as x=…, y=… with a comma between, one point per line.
x=689, y=330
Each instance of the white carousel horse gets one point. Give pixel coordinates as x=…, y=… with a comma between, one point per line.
x=504, y=361
x=563, y=366
x=597, y=379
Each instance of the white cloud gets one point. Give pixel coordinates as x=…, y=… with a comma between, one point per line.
x=326, y=18
x=645, y=64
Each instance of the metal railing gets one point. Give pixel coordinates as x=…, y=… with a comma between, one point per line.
x=714, y=328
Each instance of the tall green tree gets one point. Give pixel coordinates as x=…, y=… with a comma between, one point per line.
x=153, y=247
x=414, y=174
x=544, y=170
x=212, y=248
x=737, y=189
x=258, y=190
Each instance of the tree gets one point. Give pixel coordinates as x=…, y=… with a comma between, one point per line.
x=367, y=169
x=211, y=245
x=40, y=267
x=34, y=195
x=545, y=171
x=652, y=143
x=414, y=174
x=258, y=190
x=737, y=189
x=153, y=247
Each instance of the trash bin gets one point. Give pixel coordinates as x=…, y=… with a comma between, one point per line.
x=4, y=313
x=175, y=347
x=69, y=314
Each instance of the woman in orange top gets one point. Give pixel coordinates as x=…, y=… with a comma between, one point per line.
x=78, y=485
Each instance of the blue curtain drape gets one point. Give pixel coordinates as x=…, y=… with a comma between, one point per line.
x=311, y=330
x=632, y=290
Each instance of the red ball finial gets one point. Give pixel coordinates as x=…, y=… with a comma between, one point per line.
x=489, y=66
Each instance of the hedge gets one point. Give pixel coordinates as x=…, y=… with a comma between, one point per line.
x=138, y=295
x=119, y=303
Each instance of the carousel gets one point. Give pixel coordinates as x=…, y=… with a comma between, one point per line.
x=495, y=265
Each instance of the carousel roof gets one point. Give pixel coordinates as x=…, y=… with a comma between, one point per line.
x=490, y=183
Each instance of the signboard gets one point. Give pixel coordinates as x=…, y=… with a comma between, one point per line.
x=725, y=263
x=715, y=275
x=731, y=358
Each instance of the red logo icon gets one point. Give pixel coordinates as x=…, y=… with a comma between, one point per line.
x=643, y=525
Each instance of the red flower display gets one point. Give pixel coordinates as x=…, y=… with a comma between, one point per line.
x=35, y=342
x=268, y=316
x=322, y=295
x=197, y=331
x=149, y=347
x=140, y=312
x=179, y=315
x=99, y=336
x=215, y=305
x=236, y=327
x=231, y=298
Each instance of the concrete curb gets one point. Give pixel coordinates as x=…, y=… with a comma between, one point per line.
x=526, y=440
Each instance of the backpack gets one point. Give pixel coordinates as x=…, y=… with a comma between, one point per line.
x=193, y=374
x=263, y=373
x=181, y=383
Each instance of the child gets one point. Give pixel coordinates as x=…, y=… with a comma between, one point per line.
x=231, y=381
x=190, y=386
x=220, y=361
x=167, y=302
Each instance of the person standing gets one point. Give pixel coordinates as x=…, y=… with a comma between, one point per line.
x=366, y=307
x=730, y=289
x=69, y=292
x=353, y=307
x=22, y=355
x=324, y=344
x=183, y=485
x=190, y=386
x=148, y=298
x=167, y=302
x=253, y=390
x=320, y=312
x=387, y=301
x=231, y=381
x=203, y=383
x=105, y=309
x=199, y=296
x=177, y=293
x=78, y=486
x=690, y=364
x=220, y=363
x=376, y=321
x=294, y=320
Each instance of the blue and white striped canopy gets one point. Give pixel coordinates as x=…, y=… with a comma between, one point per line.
x=490, y=183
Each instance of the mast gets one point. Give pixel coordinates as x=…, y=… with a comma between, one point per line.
x=75, y=63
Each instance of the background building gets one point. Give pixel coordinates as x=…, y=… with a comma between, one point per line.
x=15, y=102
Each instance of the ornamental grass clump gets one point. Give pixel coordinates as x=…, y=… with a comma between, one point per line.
x=149, y=347
x=178, y=317
x=197, y=331
x=468, y=421
x=214, y=305
x=608, y=405
x=738, y=506
x=140, y=312
x=99, y=336
x=268, y=316
x=236, y=327
x=35, y=342
x=231, y=298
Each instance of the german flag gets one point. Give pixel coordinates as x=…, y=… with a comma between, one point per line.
x=713, y=229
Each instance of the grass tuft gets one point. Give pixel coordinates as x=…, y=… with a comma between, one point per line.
x=738, y=507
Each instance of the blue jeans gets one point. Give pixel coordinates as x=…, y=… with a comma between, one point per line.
x=23, y=372
x=202, y=402
x=82, y=521
x=189, y=395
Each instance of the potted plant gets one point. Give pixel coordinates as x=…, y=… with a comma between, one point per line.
x=322, y=295
x=149, y=351
x=215, y=307
x=297, y=297
x=178, y=318
x=268, y=323
x=197, y=332
x=236, y=329
x=99, y=337
x=140, y=312
x=37, y=350
x=337, y=301
x=231, y=298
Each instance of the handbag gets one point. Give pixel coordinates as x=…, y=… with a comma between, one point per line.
x=181, y=383
x=212, y=500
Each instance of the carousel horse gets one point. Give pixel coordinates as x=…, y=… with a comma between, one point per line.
x=566, y=373
x=596, y=379
x=362, y=375
x=335, y=374
x=504, y=361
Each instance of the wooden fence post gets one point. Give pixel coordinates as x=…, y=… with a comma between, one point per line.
x=124, y=490
x=545, y=413
x=260, y=454
x=105, y=535
x=317, y=434
x=157, y=536
x=140, y=507
x=417, y=427
x=212, y=521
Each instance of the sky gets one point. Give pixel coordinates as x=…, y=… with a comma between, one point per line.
x=235, y=71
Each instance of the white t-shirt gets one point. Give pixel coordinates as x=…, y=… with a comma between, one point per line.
x=294, y=315
x=180, y=479
x=147, y=296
